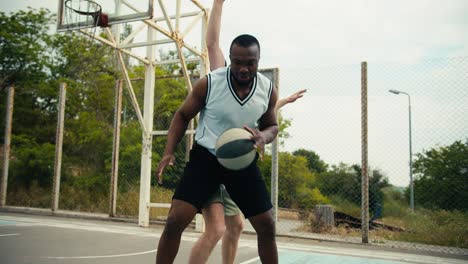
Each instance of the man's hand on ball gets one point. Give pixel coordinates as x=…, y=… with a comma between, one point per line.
x=259, y=139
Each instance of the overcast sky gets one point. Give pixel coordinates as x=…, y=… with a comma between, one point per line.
x=319, y=45
x=298, y=33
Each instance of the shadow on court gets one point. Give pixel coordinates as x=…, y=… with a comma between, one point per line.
x=45, y=240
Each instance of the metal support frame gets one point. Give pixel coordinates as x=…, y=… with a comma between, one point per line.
x=145, y=174
x=145, y=118
x=174, y=34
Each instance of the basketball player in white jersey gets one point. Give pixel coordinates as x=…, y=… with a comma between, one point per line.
x=221, y=215
x=235, y=96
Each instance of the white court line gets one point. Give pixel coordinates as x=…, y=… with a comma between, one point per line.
x=9, y=235
x=105, y=256
x=127, y=230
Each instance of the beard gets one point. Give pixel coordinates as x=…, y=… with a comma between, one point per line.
x=243, y=81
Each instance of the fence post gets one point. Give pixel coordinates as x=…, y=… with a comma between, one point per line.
x=324, y=215
x=58, y=147
x=115, y=149
x=6, y=145
x=364, y=145
x=274, y=177
x=275, y=156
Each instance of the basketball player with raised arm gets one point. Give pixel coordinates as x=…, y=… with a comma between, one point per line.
x=229, y=97
x=221, y=215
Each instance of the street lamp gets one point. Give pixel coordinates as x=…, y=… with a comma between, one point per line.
x=410, y=150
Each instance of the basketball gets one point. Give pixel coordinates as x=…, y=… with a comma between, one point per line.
x=234, y=149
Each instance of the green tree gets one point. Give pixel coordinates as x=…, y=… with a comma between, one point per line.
x=441, y=177
x=24, y=47
x=91, y=74
x=25, y=55
x=344, y=181
x=31, y=163
x=314, y=163
x=297, y=186
x=24, y=61
x=283, y=124
x=341, y=180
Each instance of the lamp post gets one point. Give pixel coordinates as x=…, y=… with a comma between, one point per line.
x=410, y=150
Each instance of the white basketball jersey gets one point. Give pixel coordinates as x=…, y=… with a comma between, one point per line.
x=224, y=109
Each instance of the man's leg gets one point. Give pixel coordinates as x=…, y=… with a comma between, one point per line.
x=234, y=227
x=215, y=53
x=248, y=190
x=264, y=225
x=213, y=215
x=180, y=216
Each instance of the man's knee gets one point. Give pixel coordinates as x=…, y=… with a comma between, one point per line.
x=215, y=232
x=174, y=225
x=238, y=227
x=177, y=221
x=268, y=229
x=264, y=225
x=235, y=226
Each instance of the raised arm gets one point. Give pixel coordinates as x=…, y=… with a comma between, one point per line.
x=193, y=103
x=290, y=99
x=215, y=53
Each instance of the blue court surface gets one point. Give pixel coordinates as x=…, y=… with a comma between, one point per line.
x=289, y=256
x=32, y=239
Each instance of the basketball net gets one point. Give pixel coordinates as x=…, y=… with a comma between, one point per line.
x=84, y=13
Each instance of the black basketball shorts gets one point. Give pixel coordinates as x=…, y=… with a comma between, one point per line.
x=203, y=174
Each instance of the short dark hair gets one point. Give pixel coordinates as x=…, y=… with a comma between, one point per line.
x=245, y=41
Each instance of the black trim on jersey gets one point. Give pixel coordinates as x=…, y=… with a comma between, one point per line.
x=203, y=133
x=208, y=88
x=208, y=92
x=251, y=93
x=270, y=90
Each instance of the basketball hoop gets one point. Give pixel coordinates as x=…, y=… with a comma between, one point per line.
x=77, y=9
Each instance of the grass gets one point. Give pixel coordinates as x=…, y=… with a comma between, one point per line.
x=440, y=227
x=434, y=227
x=127, y=203
x=73, y=198
x=34, y=196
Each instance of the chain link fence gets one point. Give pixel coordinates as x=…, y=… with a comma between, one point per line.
x=129, y=156
x=31, y=159
x=87, y=146
x=423, y=120
x=324, y=137
x=319, y=152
